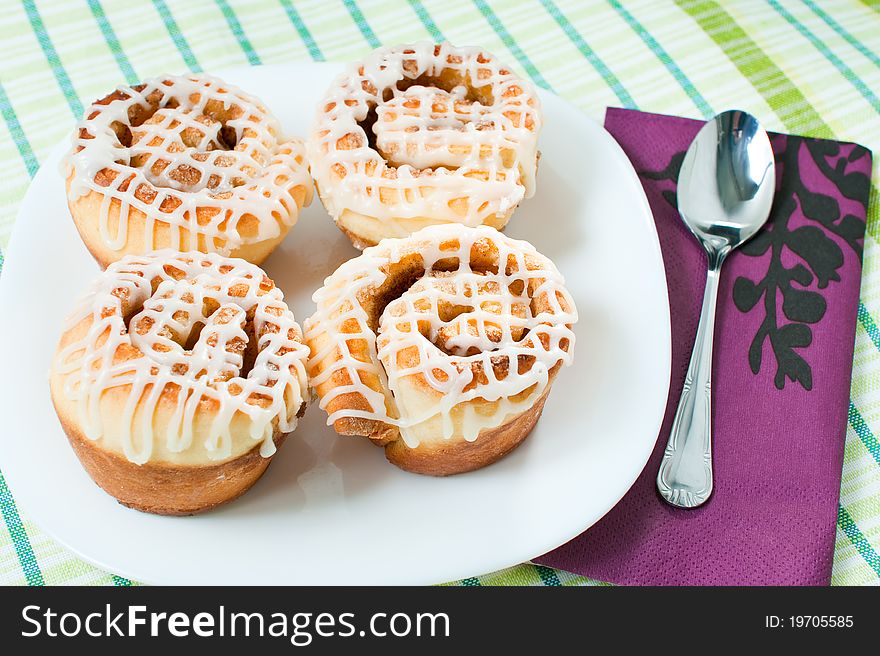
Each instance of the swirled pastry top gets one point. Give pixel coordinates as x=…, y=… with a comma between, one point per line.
x=426, y=130
x=451, y=329
x=192, y=152
x=181, y=357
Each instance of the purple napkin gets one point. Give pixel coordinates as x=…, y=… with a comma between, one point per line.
x=783, y=360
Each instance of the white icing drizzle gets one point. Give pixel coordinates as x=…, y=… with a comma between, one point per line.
x=436, y=148
x=144, y=309
x=180, y=168
x=446, y=326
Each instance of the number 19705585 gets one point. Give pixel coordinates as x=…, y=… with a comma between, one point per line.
x=809, y=621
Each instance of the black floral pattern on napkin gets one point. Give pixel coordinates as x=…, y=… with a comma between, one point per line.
x=813, y=254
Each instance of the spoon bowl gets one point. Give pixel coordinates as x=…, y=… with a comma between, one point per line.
x=727, y=179
x=725, y=191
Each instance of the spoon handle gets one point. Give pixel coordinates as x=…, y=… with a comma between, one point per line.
x=685, y=476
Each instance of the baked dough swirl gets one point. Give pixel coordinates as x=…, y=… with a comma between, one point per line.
x=177, y=377
x=442, y=346
x=423, y=134
x=184, y=162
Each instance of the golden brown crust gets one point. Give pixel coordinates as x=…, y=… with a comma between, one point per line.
x=356, y=241
x=165, y=488
x=86, y=210
x=378, y=431
x=457, y=456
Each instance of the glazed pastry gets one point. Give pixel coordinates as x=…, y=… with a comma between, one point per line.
x=441, y=347
x=178, y=378
x=424, y=134
x=189, y=163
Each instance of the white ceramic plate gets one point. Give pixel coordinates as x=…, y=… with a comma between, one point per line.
x=331, y=510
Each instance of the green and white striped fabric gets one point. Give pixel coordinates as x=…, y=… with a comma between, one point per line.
x=809, y=67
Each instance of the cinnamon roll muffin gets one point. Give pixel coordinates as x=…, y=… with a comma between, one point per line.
x=440, y=347
x=178, y=378
x=184, y=162
x=423, y=134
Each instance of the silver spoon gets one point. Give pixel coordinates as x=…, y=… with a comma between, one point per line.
x=725, y=190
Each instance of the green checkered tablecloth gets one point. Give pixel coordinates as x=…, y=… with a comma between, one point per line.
x=810, y=67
